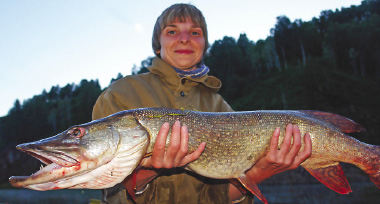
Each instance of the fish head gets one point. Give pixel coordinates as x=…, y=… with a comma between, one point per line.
x=81, y=156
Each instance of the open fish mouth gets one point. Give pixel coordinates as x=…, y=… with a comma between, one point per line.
x=57, y=157
x=58, y=165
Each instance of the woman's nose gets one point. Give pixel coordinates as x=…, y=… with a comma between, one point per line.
x=185, y=38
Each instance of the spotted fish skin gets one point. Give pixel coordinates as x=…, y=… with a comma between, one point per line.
x=235, y=141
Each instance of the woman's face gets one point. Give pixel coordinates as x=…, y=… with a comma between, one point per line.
x=182, y=44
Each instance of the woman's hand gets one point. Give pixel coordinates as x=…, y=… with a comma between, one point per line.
x=176, y=154
x=287, y=157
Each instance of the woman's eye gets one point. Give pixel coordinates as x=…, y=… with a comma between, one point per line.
x=171, y=32
x=195, y=33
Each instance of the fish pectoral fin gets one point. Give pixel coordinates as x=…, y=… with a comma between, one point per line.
x=130, y=184
x=252, y=187
x=238, y=185
x=332, y=177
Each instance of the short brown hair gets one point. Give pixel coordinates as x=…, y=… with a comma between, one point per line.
x=181, y=12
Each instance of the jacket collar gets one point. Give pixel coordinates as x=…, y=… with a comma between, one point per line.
x=170, y=76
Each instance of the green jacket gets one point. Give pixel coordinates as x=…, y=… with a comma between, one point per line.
x=163, y=87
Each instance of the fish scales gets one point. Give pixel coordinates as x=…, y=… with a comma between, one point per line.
x=226, y=136
x=234, y=141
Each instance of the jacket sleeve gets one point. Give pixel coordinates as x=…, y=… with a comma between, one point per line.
x=223, y=106
x=106, y=105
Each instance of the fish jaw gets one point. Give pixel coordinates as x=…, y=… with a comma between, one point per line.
x=94, y=155
x=58, y=162
x=48, y=156
x=62, y=163
x=67, y=156
x=52, y=172
x=86, y=175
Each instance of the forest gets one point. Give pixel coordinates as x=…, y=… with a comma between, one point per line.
x=330, y=63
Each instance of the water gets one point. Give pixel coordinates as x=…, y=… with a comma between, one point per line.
x=363, y=192
x=26, y=196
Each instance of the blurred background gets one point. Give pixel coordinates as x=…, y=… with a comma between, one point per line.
x=310, y=55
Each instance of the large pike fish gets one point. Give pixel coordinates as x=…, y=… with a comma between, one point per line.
x=102, y=153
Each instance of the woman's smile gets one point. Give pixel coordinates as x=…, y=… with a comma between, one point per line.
x=184, y=51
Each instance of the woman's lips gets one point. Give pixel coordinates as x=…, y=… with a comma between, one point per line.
x=184, y=51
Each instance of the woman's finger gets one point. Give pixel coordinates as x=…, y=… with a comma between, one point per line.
x=194, y=155
x=183, y=149
x=286, y=143
x=295, y=147
x=272, y=154
x=306, y=152
x=175, y=142
x=160, y=146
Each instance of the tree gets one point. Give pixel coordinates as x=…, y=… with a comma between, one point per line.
x=144, y=66
x=226, y=61
x=84, y=97
x=283, y=39
x=119, y=76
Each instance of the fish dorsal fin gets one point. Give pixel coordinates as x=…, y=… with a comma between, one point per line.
x=346, y=125
x=252, y=187
x=332, y=177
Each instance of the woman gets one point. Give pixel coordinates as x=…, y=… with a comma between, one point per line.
x=178, y=79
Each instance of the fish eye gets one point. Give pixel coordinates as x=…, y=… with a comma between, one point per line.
x=77, y=132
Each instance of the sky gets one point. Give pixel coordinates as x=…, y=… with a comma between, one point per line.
x=46, y=43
